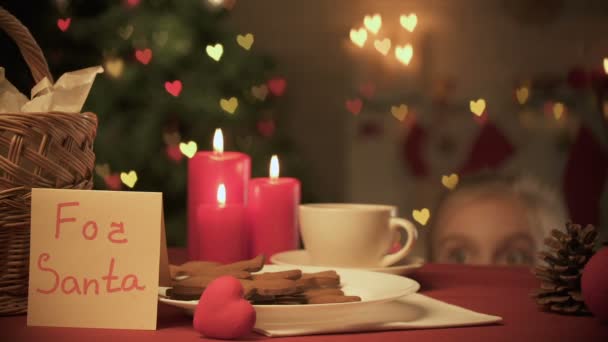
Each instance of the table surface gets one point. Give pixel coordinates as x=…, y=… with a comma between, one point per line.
x=502, y=291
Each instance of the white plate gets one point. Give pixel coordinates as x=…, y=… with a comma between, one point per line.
x=300, y=257
x=372, y=287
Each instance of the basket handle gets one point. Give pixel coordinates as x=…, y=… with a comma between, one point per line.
x=31, y=52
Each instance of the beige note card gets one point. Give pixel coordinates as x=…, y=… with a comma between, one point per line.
x=96, y=259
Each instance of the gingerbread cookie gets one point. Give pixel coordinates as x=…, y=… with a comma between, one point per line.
x=269, y=288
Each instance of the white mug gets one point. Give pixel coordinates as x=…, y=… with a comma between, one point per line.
x=353, y=235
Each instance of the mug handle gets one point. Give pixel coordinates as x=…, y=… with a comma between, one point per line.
x=412, y=236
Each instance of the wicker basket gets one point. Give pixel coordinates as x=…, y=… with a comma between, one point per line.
x=37, y=150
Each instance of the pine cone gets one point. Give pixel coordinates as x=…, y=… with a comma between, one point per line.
x=560, y=276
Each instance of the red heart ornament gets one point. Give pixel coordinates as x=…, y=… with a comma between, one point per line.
x=132, y=3
x=222, y=312
x=64, y=24
x=266, y=128
x=143, y=56
x=113, y=181
x=354, y=106
x=174, y=88
x=277, y=86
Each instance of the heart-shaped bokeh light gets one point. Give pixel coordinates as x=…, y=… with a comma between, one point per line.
x=522, y=94
x=160, y=38
x=215, y=51
x=409, y=22
x=129, y=179
x=421, y=216
x=358, y=37
x=450, y=181
x=260, y=92
x=229, y=105
x=102, y=170
x=174, y=88
x=477, y=107
x=373, y=23
x=404, y=53
x=558, y=110
x=125, y=32
x=114, y=67
x=143, y=56
x=399, y=112
x=354, y=106
x=64, y=24
x=383, y=46
x=245, y=41
x=277, y=86
x=188, y=149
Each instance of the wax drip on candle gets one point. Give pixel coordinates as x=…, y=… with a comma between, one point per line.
x=218, y=141
x=274, y=168
x=221, y=195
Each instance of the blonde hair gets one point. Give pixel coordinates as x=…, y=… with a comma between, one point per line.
x=544, y=205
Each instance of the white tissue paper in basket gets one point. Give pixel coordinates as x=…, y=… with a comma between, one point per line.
x=67, y=95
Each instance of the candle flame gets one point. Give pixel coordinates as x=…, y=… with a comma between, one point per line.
x=274, y=167
x=218, y=141
x=221, y=194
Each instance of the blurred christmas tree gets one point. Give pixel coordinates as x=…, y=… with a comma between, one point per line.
x=168, y=65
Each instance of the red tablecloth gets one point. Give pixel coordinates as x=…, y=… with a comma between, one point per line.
x=493, y=290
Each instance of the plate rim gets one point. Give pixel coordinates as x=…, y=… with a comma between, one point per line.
x=413, y=288
x=419, y=262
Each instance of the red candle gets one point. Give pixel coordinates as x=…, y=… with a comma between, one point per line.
x=206, y=170
x=222, y=230
x=272, y=207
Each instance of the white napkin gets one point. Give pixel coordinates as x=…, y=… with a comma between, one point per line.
x=415, y=311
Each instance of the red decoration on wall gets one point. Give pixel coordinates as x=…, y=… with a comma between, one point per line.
x=490, y=150
x=481, y=119
x=584, y=177
x=578, y=78
x=413, y=148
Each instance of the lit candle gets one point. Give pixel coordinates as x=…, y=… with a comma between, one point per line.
x=222, y=230
x=272, y=212
x=206, y=171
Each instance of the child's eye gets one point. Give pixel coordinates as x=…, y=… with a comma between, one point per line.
x=517, y=257
x=457, y=256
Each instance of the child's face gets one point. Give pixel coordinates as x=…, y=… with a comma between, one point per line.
x=483, y=230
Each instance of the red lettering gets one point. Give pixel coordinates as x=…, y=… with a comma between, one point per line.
x=44, y=257
x=120, y=230
x=60, y=219
x=95, y=230
x=134, y=283
x=70, y=284
x=73, y=288
x=109, y=277
x=87, y=283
